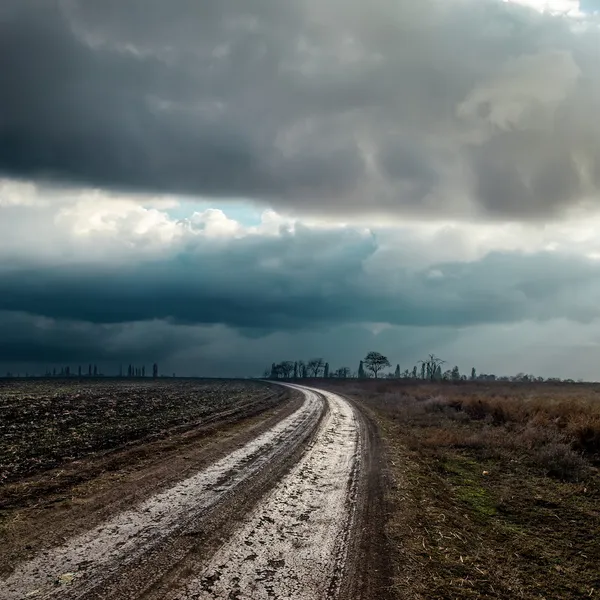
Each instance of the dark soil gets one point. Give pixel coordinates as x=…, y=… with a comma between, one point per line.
x=42, y=510
x=47, y=423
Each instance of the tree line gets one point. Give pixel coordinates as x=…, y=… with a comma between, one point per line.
x=93, y=371
x=374, y=365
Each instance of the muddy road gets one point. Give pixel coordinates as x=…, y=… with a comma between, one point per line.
x=280, y=516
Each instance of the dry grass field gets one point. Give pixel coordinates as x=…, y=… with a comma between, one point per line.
x=493, y=490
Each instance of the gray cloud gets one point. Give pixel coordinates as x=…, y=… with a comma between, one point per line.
x=33, y=340
x=310, y=106
x=553, y=348
x=305, y=280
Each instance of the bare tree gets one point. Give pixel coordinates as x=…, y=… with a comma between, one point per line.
x=342, y=372
x=315, y=365
x=375, y=361
x=286, y=368
x=432, y=365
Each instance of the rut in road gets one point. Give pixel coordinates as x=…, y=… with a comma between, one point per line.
x=294, y=543
x=95, y=555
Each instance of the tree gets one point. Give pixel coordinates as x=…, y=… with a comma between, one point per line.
x=296, y=370
x=473, y=374
x=315, y=365
x=455, y=375
x=155, y=370
x=301, y=369
x=397, y=372
x=286, y=368
x=129, y=371
x=95, y=370
x=79, y=371
x=273, y=371
x=144, y=371
x=414, y=372
x=343, y=372
x=361, y=370
x=90, y=370
x=432, y=365
x=326, y=370
x=375, y=361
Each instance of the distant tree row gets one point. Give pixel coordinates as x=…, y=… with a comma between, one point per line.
x=92, y=371
x=374, y=363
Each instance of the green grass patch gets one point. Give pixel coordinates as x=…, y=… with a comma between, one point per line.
x=466, y=477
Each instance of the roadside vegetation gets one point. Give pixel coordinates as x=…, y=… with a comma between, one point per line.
x=493, y=488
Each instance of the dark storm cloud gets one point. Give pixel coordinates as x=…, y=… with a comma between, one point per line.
x=79, y=107
x=32, y=339
x=307, y=280
x=306, y=105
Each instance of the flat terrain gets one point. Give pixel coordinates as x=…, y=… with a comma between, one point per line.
x=493, y=489
x=332, y=489
x=45, y=423
x=268, y=500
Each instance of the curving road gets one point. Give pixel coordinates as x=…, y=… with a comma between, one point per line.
x=292, y=543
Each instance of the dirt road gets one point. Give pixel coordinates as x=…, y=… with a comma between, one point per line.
x=274, y=518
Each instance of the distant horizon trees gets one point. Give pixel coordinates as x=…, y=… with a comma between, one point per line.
x=374, y=363
x=92, y=371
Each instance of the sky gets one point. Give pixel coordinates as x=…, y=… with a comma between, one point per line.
x=218, y=185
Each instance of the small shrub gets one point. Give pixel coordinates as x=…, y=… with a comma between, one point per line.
x=561, y=461
x=586, y=435
x=476, y=409
x=435, y=404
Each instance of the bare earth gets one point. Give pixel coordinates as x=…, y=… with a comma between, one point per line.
x=276, y=510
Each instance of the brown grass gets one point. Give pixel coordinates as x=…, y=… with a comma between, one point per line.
x=496, y=487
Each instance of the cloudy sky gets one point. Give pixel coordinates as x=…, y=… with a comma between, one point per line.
x=219, y=184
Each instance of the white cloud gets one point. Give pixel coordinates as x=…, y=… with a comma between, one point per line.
x=555, y=7
x=91, y=225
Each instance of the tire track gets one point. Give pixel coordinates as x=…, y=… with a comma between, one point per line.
x=98, y=554
x=294, y=543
